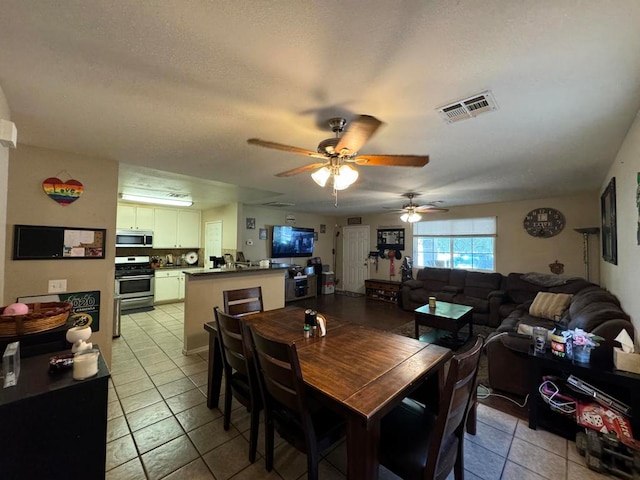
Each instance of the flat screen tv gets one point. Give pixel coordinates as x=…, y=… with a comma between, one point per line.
x=291, y=242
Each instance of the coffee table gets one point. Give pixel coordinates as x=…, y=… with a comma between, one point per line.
x=450, y=317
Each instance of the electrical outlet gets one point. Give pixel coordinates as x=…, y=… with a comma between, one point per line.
x=57, y=286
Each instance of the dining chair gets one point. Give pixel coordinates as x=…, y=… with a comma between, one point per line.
x=243, y=301
x=419, y=444
x=240, y=377
x=304, y=423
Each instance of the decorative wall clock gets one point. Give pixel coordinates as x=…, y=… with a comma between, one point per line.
x=544, y=222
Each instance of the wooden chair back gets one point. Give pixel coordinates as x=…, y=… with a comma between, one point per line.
x=243, y=301
x=455, y=403
x=234, y=349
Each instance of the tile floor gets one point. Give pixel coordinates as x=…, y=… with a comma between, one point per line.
x=160, y=427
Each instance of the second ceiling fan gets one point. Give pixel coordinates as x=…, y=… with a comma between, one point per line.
x=337, y=153
x=411, y=211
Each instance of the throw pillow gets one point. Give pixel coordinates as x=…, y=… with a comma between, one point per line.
x=549, y=305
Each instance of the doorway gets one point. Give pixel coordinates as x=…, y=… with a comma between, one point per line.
x=355, y=250
x=212, y=240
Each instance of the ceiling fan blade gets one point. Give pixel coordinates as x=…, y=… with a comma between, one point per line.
x=305, y=168
x=359, y=131
x=284, y=148
x=392, y=160
x=431, y=209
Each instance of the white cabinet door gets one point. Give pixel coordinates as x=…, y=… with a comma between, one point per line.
x=126, y=217
x=145, y=218
x=188, y=229
x=131, y=217
x=167, y=285
x=164, y=230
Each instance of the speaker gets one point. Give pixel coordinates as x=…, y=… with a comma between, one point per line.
x=8, y=134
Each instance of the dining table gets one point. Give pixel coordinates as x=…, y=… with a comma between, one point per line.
x=360, y=371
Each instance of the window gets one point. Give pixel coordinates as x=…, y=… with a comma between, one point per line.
x=467, y=243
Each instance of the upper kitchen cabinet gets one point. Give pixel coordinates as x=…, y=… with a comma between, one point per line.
x=131, y=217
x=176, y=228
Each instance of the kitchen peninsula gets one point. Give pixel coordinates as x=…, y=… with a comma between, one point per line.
x=203, y=292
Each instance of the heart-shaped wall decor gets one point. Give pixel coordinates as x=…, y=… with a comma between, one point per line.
x=63, y=192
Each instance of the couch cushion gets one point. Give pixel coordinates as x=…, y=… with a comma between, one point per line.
x=413, y=284
x=457, y=278
x=549, y=305
x=434, y=278
x=480, y=305
x=480, y=285
x=519, y=291
x=594, y=314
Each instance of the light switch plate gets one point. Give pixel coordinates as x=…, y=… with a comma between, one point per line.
x=57, y=286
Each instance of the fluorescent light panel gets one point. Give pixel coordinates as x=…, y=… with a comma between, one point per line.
x=157, y=201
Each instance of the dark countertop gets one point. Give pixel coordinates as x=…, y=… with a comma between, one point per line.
x=226, y=271
x=178, y=267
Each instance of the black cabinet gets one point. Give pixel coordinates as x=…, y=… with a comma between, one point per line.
x=53, y=427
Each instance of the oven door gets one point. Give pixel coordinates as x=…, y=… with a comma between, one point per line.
x=135, y=286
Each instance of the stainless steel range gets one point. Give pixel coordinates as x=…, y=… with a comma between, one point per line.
x=134, y=283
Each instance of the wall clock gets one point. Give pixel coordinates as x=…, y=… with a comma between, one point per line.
x=544, y=222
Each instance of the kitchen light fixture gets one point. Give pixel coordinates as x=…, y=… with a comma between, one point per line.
x=155, y=200
x=410, y=217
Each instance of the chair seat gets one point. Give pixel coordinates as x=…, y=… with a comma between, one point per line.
x=328, y=426
x=405, y=434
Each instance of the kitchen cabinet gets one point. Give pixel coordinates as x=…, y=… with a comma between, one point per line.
x=169, y=284
x=176, y=228
x=132, y=217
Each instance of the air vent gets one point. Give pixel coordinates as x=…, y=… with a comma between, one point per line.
x=468, y=108
x=278, y=204
x=177, y=195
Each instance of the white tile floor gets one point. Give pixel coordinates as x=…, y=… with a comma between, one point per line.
x=160, y=427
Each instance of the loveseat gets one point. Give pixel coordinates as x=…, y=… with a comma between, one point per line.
x=475, y=289
x=590, y=308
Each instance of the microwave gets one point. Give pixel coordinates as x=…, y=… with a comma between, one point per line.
x=134, y=238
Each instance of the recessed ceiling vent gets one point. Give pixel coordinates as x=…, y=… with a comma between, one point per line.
x=278, y=204
x=177, y=195
x=468, y=108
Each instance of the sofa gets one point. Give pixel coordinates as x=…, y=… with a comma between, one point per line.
x=590, y=308
x=475, y=289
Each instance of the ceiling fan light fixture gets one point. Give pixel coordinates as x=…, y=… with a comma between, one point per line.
x=321, y=176
x=344, y=177
x=410, y=217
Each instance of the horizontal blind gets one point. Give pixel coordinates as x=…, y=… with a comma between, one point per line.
x=456, y=228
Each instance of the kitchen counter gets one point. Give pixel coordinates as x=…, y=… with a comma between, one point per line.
x=233, y=270
x=203, y=292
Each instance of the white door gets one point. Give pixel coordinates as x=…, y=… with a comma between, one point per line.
x=355, y=250
x=212, y=241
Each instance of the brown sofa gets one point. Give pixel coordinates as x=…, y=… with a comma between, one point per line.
x=476, y=289
x=592, y=309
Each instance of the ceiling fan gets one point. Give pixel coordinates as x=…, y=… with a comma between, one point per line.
x=411, y=211
x=337, y=153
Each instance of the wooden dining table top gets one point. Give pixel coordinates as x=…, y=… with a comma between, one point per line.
x=362, y=369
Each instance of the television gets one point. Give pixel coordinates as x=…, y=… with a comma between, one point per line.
x=291, y=241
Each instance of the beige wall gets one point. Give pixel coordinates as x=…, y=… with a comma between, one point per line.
x=28, y=204
x=516, y=251
x=5, y=114
x=228, y=214
x=622, y=279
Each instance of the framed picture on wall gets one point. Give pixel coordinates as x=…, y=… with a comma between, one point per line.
x=609, y=233
x=262, y=235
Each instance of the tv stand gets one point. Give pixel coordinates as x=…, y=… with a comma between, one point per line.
x=297, y=288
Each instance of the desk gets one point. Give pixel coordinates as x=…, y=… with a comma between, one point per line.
x=361, y=371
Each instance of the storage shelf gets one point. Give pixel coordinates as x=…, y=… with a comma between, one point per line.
x=383, y=290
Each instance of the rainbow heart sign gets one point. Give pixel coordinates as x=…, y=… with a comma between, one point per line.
x=63, y=192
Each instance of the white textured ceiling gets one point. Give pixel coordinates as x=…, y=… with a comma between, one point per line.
x=178, y=86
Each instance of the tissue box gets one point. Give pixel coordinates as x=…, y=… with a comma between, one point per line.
x=629, y=362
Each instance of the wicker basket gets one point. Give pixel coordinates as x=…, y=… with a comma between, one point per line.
x=41, y=317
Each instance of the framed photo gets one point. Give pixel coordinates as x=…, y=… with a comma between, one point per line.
x=323, y=228
x=391, y=238
x=262, y=234
x=354, y=221
x=315, y=236
x=251, y=223
x=609, y=233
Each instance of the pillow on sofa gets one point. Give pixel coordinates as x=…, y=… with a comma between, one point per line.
x=549, y=305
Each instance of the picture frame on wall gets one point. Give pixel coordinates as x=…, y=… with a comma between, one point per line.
x=262, y=235
x=609, y=230
x=251, y=223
